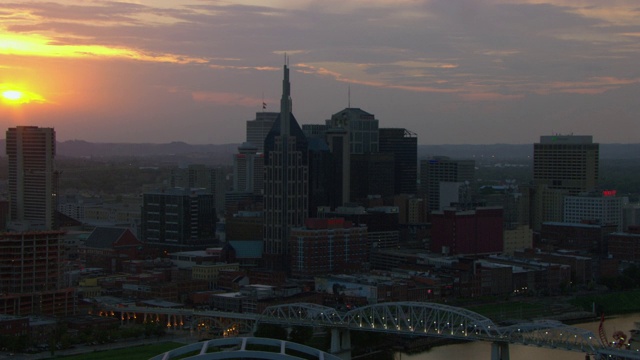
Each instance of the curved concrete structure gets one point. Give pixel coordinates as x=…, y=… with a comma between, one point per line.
x=242, y=348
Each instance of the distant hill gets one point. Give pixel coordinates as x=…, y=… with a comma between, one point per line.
x=171, y=152
x=221, y=154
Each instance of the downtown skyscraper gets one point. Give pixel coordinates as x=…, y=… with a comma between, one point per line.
x=437, y=172
x=32, y=176
x=563, y=165
x=286, y=182
x=566, y=162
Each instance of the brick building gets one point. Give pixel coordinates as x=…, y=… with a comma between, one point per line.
x=327, y=246
x=476, y=231
x=108, y=247
x=31, y=265
x=585, y=238
x=624, y=246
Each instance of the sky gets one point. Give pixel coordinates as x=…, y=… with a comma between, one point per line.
x=451, y=71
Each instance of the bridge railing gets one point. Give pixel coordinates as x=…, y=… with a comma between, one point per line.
x=553, y=334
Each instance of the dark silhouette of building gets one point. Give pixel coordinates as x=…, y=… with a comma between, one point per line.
x=323, y=186
x=441, y=169
x=178, y=219
x=467, y=232
x=199, y=176
x=372, y=174
x=338, y=142
x=286, y=182
x=403, y=144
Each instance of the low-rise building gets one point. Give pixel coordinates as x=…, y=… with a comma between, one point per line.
x=327, y=246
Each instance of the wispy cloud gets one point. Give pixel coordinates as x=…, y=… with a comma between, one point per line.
x=225, y=98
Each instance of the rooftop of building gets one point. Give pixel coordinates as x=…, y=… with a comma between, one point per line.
x=247, y=249
x=566, y=139
x=161, y=303
x=353, y=112
x=565, y=224
x=104, y=237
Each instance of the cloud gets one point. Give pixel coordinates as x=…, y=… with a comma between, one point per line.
x=476, y=63
x=228, y=99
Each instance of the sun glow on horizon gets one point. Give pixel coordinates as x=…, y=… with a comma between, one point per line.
x=13, y=95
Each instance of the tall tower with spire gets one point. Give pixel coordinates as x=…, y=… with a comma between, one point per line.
x=286, y=182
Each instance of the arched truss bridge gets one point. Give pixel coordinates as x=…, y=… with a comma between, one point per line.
x=438, y=320
x=410, y=318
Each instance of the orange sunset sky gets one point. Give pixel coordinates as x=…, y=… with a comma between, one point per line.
x=463, y=71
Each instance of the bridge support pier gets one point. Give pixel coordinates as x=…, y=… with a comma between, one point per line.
x=341, y=343
x=500, y=351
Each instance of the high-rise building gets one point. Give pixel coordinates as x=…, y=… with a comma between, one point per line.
x=403, y=144
x=248, y=169
x=322, y=183
x=547, y=205
x=258, y=129
x=199, y=176
x=32, y=176
x=563, y=165
x=442, y=169
x=362, y=127
x=371, y=174
x=314, y=130
x=178, y=219
x=566, y=162
x=338, y=141
x=286, y=182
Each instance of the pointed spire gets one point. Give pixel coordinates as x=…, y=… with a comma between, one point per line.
x=285, y=101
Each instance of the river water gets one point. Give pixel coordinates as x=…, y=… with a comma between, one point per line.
x=482, y=350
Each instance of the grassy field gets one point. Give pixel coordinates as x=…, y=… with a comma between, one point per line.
x=510, y=310
x=614, y=303
x=142, y=352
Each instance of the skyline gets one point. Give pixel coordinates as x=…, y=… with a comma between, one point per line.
x=463, y=72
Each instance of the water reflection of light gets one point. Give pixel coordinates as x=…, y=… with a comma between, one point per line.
x=482, y=350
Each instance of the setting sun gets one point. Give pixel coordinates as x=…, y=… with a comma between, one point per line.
x=16, y=95
x=13, y=95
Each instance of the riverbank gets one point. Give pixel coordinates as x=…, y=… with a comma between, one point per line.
x=569, y=309
x=614, y=303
